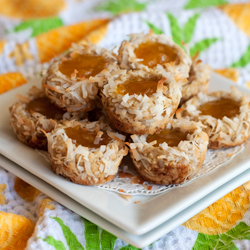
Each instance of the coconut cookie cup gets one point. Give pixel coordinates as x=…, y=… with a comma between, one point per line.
x=86, y=153
x=226, y=116
x=153, y=52
x=73, y=81
x=198, y=80
x=31, y=114
x=172, y=156
x=138, y=102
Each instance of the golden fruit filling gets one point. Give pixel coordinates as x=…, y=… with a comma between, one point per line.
x=220, y=108
x=87, y=138
x=154, y=53
x=138, y=87
x=85, y=65
x=43, y=106
x=170, y=136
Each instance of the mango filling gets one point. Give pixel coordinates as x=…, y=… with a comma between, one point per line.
x=138, y=87
x=84, y=66
x=87, y=138
x=154, y=53
x=43, y=106
x=170, y=136
x=220, y=108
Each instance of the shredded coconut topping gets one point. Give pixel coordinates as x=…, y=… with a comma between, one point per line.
x=223, y=132
x=198, y=80
x=81, y=164
x=127, y=58
x=189, y=154
x=75, y=95
x=142, y=114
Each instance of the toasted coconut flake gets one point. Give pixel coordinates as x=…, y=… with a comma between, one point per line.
x=195, y=56
x=178, y=113
x=52, y=88
x=23, y=98
x=126, y=196
x=113, y=136
x=98, y=137
x=73, y=75
x=160, y=84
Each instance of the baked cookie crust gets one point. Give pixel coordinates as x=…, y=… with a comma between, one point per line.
x=28, y=125
x=128, y=60
x=83, y=165
x=225, y=132
x=170, y=165
x=67, y=92
x=141, y=114
x=198, y=80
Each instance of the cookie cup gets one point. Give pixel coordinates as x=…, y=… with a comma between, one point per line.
x=141, y=114
x=127, y=58
x=72, y=93
x=83, y=165
x=198, y=80
x=170, y=165
x=225, y=132
x=27, y=125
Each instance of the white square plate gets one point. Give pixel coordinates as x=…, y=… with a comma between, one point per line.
x=138, y=218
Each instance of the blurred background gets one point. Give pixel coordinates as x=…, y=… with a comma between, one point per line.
x=32, y=32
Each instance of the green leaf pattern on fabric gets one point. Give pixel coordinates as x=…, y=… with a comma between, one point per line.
x=71, y=239
x=57, y=244
x=117, y=7
x=156, y=30
x=202, y=45
x=189, y=27
x=129, y=247
x=244, y=60
x=185, y=34
x=39, y=26
x=193, y=4
x=91, y=235
x=175, y=28
x=94, y=239
x=203, y=241
x=107, y=240
x=223, y=241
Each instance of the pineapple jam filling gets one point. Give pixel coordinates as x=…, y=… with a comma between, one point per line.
x=170, y=136
x=84, y=66
x=220, y=108
x=154, y=53
x=138, y=87
x=87, y=138
x=43, y=106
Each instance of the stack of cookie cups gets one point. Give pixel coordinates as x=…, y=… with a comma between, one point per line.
x=141, y=100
